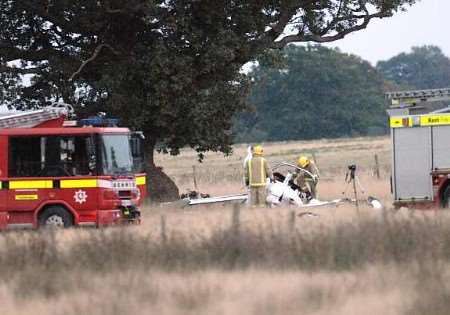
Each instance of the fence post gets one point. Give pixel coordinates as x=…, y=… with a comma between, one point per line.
x=163, y=229
x=235, y=219
x=377, y=167
x=194, y=174
x=291, y=221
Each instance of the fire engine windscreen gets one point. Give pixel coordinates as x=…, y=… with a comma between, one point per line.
x=115, y=154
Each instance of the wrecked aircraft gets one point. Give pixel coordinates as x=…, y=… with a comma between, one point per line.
x=282, y=191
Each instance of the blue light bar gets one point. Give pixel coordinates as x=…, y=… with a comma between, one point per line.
x=99, y=122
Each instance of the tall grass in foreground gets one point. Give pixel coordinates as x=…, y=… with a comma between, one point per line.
x=38, y=265
x=346, y=246
x=342, y=247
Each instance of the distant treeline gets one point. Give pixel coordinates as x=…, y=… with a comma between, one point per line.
x=311, y=92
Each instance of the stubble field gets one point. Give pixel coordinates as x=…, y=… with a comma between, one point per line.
x=226, y=260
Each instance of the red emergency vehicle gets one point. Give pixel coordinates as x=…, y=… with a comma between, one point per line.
x=56, y=173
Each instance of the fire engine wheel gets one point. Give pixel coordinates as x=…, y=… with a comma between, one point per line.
x=55, y=216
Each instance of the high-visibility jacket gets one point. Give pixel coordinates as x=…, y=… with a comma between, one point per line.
x=302, y=177
x=312, y=168
x=256, y=171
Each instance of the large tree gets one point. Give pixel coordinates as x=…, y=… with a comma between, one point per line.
x=313, y=92
x=169, y=67
x=425, y=67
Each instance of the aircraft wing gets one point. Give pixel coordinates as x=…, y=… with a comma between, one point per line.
x=243, y=198
x=316, y=203
x=202, y=201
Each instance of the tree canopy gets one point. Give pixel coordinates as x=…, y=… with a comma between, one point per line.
x=170, y=68
x=316, y=92
x=425, y=67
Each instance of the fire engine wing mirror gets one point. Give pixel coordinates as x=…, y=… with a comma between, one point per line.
x=92, y=157
x=92, y=163
x=138, y=134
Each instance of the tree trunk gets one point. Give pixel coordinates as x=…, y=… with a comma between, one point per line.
x=160, y=187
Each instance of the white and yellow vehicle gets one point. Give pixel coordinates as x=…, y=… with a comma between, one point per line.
x=420, y=148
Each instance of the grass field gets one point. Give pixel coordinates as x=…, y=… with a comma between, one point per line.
x=226, y=260
x=220, y=174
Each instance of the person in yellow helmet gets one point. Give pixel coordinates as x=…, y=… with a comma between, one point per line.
x=257, y=170
x=305, y=181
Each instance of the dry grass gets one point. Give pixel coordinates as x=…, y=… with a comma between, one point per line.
x=332, y=156
x=370, y=264
x=377, y=290
x=203, y=261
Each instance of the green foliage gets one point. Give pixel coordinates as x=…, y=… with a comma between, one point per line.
x=9, y=88
x=318, y=93
x=425, y=67
x=170, y=68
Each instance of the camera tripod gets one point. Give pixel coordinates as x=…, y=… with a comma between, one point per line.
x=352, y=179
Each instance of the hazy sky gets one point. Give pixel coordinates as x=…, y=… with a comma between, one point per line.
x=425, y=23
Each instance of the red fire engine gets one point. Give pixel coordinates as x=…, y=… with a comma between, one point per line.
x=59, y=173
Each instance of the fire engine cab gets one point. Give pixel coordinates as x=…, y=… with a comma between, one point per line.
x=63, y=173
